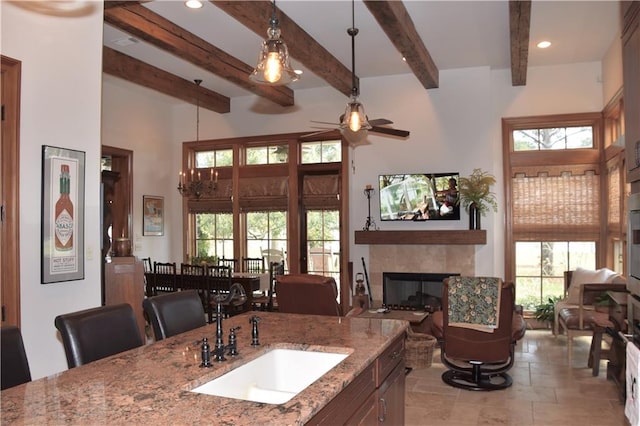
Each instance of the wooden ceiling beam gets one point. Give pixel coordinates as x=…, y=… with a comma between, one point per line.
x=394, y=19
x=255, y=15
x=142, y=23
x=109, y=4
x=123, y=66
x=519, y=24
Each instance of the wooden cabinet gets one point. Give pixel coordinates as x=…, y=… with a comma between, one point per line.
x=374, y=397
x=631, y=70
x=124, y=283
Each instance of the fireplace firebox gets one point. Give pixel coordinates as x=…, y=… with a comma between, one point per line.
x=413, y=290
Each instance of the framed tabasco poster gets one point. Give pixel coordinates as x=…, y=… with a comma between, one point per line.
x=63, y=172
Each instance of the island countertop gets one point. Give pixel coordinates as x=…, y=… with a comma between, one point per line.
x=151, y=384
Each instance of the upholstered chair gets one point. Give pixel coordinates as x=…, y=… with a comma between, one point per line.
x=97, y=333
x=174, y=313
x=307, y=294
x=14, y=366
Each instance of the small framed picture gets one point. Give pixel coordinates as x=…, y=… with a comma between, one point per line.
x=153, y=215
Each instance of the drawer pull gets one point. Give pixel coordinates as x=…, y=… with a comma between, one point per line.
x=394, y=355
x=382, y=418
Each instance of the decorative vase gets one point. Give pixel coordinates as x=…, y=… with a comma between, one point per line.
x=474, y=216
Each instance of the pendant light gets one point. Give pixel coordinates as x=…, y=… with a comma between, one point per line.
x=354, y=117
x=273, y=60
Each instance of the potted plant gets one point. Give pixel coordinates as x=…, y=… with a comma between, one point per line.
x=544, y=312
x=476, y=196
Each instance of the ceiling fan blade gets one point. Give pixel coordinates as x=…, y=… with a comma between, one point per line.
x=309, y=135
x=325, y=122
x=389, y=131
x=380, y=121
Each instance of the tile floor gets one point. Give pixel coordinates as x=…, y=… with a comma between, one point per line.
x=546, y=391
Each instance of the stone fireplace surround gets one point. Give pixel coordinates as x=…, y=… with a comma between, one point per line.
x=436, y=258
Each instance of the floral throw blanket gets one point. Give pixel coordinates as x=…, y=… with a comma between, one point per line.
x=474, y=302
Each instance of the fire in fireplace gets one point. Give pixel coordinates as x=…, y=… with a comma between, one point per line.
x=413, y=290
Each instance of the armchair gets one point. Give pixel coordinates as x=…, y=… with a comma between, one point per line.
x=479, y=356
x=576, y=314
x=307, y=294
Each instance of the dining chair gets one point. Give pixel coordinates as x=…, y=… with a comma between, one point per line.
x=232, y=264
x=148, y=275
x=148, y=266
x=164, y=278
x=194, y=277
x=218, y=283
x=174, y=313
x=253, y=265
x=268, y=302
x=14, y=366
x=272, y=255
x=97, y=333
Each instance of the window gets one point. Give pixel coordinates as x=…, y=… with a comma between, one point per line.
x=323, y=243
x=214, y=158
x=266, y=231
x=214, y=235
x=267, y=154
x=552, y=177
x=540, y=267
x=321, y=152
x=553, y=138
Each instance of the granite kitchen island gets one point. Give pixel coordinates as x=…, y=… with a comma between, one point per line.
x=152, y=384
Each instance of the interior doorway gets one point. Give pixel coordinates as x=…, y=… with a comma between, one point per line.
x=9, y=188
x=117, y=199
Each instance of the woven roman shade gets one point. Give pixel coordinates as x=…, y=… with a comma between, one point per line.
x=219, y=202
x=264, y=193
x=613, y=207
x=321, y=192
x=554, y=207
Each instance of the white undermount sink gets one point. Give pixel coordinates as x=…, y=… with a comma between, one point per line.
x=273, y=378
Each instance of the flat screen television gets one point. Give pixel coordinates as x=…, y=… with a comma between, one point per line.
x=419, y=196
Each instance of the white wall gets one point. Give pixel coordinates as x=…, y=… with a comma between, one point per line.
x=60, y=106
x=139, y=119
x=612, y=69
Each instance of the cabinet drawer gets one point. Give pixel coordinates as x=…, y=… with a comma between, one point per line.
x=354, y=395
x=389, y=359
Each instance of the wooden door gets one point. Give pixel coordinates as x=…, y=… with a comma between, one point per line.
x=9, y=190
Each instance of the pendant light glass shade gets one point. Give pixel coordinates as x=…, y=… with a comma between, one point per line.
x=354, y=116
x=273, y=66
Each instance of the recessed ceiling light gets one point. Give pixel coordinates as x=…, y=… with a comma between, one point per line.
x=126, y=41
x=193, y=4
x=544, y=44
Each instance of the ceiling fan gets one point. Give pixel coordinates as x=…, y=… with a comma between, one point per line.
x=354, y=125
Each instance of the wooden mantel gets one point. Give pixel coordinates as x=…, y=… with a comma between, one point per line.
x=422, y=237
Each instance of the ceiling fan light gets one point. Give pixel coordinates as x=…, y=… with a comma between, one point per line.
x=354, y=117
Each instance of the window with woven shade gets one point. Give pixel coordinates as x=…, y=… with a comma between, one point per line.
x=554, y=186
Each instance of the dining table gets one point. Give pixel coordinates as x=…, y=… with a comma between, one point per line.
x=210, y=285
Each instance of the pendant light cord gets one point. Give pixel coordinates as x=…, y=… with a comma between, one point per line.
x=353, y=31
x=198, y=82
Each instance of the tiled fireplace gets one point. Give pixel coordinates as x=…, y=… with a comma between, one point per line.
x=417, y=258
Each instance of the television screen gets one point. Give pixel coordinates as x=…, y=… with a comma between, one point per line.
x=419, y=197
